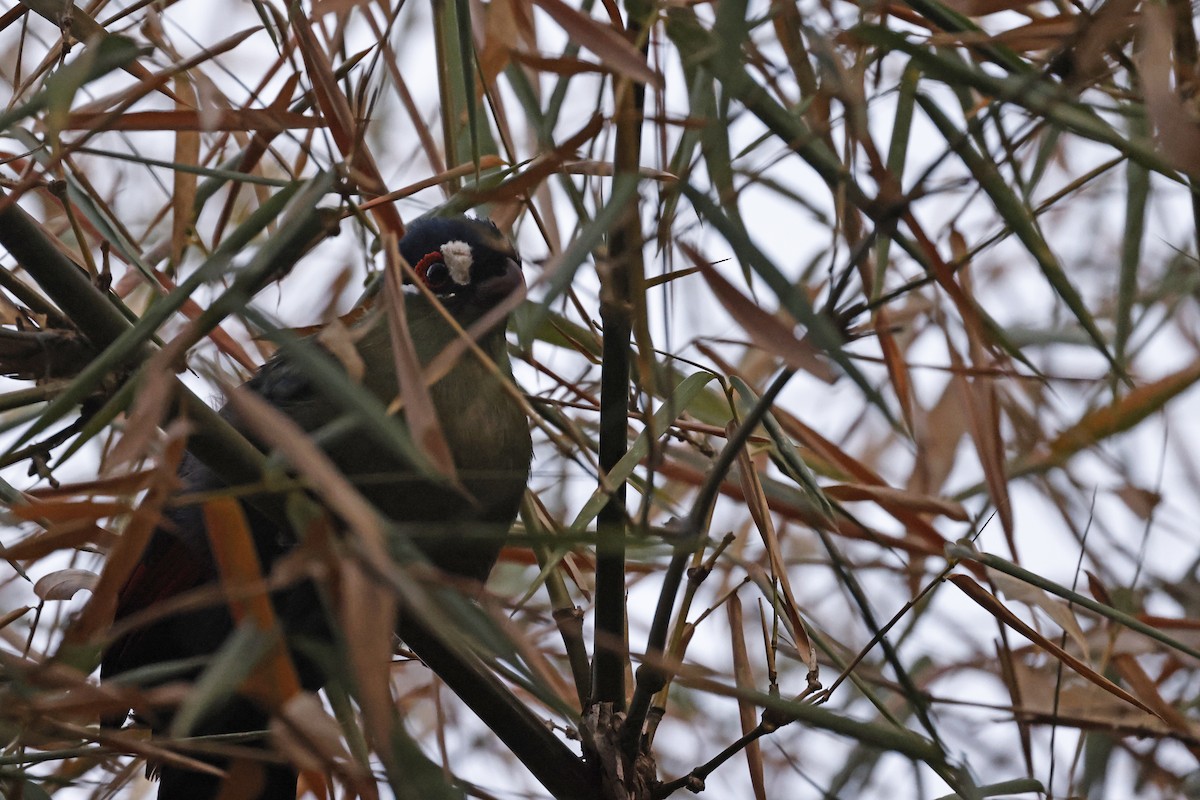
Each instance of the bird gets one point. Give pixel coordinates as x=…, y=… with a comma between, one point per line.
x=470, y=268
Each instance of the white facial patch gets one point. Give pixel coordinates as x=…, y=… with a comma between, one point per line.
x=457, y=257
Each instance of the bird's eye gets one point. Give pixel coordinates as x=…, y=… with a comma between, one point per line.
x=437, y=276
x=434, y=272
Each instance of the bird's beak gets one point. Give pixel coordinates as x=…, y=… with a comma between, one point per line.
x=492, y=290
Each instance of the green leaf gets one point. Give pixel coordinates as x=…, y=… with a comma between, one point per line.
x=97, y=59
x=667, y=413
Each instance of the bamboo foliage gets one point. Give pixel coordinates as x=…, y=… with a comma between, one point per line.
x=858, y=352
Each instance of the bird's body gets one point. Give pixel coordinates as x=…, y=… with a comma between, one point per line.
x=461, y=532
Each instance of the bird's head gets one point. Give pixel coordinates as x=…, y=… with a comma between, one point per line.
x=466, y=262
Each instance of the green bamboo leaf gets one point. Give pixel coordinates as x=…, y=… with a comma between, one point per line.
x=411, y=774
x=948, y=19
x=1137, y=197
x=129, y=342
x=1038, y=95
x=670, y=409
x=1019, y=219
x=1015, y=786
x=226, y=671
x=108, y=229
x=1033, y=579
x=624, y=187
x=97, y=60
x=819, y=328
x=897, y=157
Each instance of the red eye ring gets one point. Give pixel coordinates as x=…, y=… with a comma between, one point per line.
x=422, y=269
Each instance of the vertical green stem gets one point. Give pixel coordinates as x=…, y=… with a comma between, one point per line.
x=625, y=253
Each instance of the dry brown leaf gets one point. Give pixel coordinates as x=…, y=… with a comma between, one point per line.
x=501, y=35
x=119, y=102
x=1121, y=640
x=609, y=45
x=368, y=616
x=321, y=8
x=1146, y=688
x=226, y=119
x=1097, y=425
x=745, y=679
x=542, y=167
x=14, y=615
x=890, y=499
x=1109, y=24
x=252, y=154
x=915, y=545
x=978, y=396
x=765, y=330
x=236, y=556
x=915, y=525
x=1060, y=611
x=10, y=313
x=156, y=392
x=419, y=411
x=1045, y=690
x=559, y=65
x=65, y=536
x=1176, y=127
x=461, y=171
x=67, y=511
x=82, y=27
x=187, y=152
x=340, y=121
x=125, y=483
x=1040, y=34
x=304, y=732
x=1141, y=502
x=65, y=584
x=368, y=611
x=981, y=8
x=760, y=512
x=126, y=553
x=191, y=310
x=893, y=358
x=586, y=166
x=335, y=337
x=937, y=434
x=997, y=609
